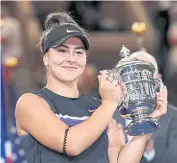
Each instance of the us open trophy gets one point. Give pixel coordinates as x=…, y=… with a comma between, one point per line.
x=139, y=99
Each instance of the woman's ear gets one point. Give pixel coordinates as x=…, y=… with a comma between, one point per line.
x=45, y=59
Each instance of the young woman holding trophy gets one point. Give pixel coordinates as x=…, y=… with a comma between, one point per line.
x=59, y=123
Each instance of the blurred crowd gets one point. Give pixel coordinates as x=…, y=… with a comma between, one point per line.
x=163, y=15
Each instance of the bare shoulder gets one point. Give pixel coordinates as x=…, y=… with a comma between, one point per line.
x=28, y=107
x=29, y=100
x=27, y=97
x=35, y=117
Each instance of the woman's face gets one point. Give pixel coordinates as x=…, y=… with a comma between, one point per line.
x=67, y=61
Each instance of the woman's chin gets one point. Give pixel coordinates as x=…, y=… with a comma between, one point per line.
x=69, y=79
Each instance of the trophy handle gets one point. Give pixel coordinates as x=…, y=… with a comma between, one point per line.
x=158, y=84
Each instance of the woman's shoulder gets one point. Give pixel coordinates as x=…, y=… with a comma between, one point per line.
x=29, y=102
x=28, y=106
x=28, y=97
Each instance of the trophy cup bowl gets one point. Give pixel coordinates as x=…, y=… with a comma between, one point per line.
x=139, y=97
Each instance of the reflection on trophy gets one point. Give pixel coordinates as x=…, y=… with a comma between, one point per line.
x=139, y=99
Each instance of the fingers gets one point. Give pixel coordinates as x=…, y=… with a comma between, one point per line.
x=160, y=110
x=162, y=103
x=116, y=132
x=163, y=92
x=155, y=114
x=105, y=79
x=109, y=89
x=115, y=83
x=162, y=107
x=161, y=98
x=110, y=81
x=102, y=78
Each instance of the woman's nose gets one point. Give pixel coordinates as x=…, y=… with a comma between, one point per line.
x=71, y=57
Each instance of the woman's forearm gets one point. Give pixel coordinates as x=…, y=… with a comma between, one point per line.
x=132, y=152
x=113, y=154
x=81, y=136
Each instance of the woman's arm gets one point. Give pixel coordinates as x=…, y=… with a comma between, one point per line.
x=133, y=151
x=116, y=140
x=34, y=116
x=118, y=152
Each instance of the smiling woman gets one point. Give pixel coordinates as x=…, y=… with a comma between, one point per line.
x=58, y=114
x=59, y=123
x=67, y=61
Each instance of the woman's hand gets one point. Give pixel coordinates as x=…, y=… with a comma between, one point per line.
x=109, y=89
x=162, y=103
x=116, y=140
x=116, y=135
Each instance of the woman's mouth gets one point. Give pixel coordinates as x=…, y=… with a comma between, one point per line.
x=69, y=67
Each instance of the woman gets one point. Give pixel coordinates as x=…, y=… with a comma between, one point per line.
x=59, y=123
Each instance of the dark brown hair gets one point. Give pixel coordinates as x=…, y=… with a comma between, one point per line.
x=55, y=20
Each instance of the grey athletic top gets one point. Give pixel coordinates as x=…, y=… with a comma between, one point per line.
x=72, y=111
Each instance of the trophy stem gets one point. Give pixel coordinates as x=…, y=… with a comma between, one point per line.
x=141, y=125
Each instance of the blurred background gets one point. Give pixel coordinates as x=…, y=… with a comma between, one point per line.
x=109, y=25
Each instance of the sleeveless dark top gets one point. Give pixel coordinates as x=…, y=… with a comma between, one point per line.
x=72, y=111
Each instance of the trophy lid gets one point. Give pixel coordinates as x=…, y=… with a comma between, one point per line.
x=125, y=55
x=128, y=58
x=125, y=52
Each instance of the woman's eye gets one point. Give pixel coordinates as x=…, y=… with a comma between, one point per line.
x=79, y=52
x=62, y=50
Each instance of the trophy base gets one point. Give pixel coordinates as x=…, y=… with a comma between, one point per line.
x=142, y=126
x=128, y=111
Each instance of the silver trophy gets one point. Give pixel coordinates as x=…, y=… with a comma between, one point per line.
x=139, y=92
